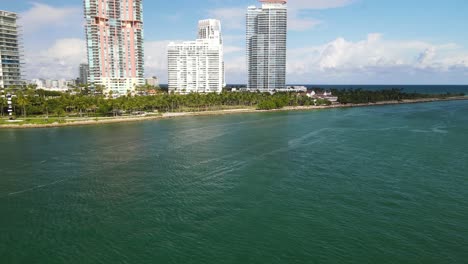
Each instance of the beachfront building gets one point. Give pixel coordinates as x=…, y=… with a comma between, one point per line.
x=266, y=46
x=84, y=74
x=198, y=66
x=153, y=81
x=61, y=85
x=10, y=50
x=114, y=33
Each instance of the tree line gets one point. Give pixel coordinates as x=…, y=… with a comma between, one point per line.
x=44, y=103
x=84, y=102
x=360, y=96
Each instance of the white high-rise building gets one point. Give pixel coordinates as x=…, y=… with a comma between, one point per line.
x=10, y=50
x=198, y=66
x=266, y=45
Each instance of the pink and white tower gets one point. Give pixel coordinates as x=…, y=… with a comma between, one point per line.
x=114, y=34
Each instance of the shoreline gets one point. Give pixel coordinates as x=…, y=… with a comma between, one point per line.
x=113, y=120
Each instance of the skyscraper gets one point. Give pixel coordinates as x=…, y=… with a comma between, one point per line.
x=266, y=45
x=114, y=32
x=84, y=73
x=10, y=50
x=198, y=66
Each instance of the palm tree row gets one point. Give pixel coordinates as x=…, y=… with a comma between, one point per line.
x=83, y=102
x=359, y=96
x=39, y=102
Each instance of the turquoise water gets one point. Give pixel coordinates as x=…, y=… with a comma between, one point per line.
x=423, y=89
x=364, y=185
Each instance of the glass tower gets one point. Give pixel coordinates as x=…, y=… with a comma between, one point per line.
x=10, y=50
x=266, y=46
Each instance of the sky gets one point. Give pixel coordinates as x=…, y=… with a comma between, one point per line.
x=329, y=41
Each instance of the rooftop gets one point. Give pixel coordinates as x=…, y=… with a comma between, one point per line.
x=274, y=1
x=8, y=14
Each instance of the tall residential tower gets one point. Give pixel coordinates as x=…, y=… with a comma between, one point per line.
x=266, y=45
x=198, y=66
x=10, y=50
x=114, y=33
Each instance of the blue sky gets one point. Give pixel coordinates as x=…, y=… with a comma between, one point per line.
x=329, y=41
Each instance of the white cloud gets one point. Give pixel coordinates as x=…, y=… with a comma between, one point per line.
x=156, y=58
x=231, y=18
x=236, y=70
x=301, y=24
x=42, y=16
x=60, y=61
x=318, y=4
x=232, y=49
x=372, y=59
x=234, y=17
x=297, y=21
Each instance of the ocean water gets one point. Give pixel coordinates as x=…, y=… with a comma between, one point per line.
x=384, y=184
x=423, y=89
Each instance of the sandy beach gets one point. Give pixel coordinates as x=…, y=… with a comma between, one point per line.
x=97, y=121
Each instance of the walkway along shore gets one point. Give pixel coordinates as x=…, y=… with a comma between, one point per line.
x=96, y=121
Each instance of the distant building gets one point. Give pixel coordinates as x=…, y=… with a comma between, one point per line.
x=310, y=93
x=152, y=92
x=153, y=81
x=322, y=95
x=84, y=73
x=10, y=50
x=198, y=66
x=70, y=83
x=266, y=46
x=48, y=83
x=293, y=89
x=53, y=85
x=114, y=33
x=40, y=83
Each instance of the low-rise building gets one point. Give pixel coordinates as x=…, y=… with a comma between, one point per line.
x=322, y=95
x=61, y=85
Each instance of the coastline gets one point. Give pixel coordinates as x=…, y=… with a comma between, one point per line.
x=94, y=121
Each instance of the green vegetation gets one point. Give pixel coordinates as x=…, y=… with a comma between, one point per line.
x=3, y=105
x=34, y=121
x=267, y=105
x=359, y=96
x=280, y=100
x=82, y=103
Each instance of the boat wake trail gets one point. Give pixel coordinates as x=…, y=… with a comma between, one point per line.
x=35, y=188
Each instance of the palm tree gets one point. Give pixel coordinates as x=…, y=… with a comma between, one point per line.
x=22, y=101
x=3, y=104
x=60, y=112
x=99, y=89
x=45, y=106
